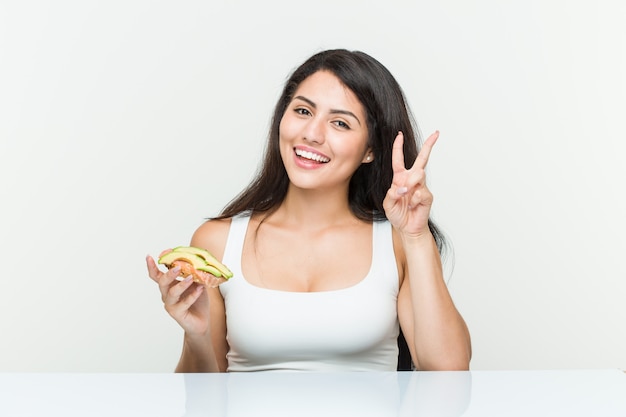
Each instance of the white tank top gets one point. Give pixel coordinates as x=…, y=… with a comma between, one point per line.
x=351, y=329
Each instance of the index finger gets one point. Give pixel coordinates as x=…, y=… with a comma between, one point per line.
x=424, y=154
x=397, y=153
x=155, y=273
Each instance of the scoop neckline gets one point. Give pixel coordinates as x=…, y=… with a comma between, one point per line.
x=354, y=286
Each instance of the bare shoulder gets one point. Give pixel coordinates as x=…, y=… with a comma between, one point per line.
x=212, y=236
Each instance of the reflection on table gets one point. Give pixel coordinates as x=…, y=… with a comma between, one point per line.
x=330, y=394
x=475, y=393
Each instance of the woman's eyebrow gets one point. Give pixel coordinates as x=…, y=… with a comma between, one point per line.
x=332, y=111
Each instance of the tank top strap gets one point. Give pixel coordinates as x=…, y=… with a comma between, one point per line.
x=383, y=256
x=235, y=241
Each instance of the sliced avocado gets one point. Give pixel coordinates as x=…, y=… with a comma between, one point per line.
x=196, y=251
x=210, y=259
x=195, y=260
x=211, y=270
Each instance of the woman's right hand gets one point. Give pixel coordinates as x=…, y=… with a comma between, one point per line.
x=186, y=301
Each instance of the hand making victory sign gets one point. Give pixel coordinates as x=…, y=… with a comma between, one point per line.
x=408, y=200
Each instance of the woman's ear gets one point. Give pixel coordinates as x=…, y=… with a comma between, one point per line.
x=369, y=157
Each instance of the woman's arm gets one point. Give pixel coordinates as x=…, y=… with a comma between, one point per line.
x=435, y=332
x=207, y=352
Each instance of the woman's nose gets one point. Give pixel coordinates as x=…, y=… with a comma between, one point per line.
x=314, y=131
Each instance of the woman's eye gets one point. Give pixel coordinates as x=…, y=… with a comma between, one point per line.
x=302, y=111
x=341, y=124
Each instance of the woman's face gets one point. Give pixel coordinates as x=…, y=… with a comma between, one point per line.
x=323, y=134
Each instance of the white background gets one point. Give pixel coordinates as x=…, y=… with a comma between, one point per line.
x=123, y=124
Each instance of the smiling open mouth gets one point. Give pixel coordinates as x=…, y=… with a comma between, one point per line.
x=311, y=156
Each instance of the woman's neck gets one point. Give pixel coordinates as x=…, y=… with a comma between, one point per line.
x=315, y=209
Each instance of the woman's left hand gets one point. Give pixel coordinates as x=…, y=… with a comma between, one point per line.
x=408, y=200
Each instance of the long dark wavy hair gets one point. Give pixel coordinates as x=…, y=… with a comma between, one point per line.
x=386, y=112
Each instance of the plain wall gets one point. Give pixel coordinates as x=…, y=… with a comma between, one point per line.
x=124, y=124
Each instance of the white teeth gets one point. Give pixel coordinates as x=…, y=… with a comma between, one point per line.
x=312, y=156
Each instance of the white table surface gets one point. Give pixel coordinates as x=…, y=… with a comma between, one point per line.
x=474, y=393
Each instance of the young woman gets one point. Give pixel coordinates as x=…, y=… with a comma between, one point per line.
x=332, y=245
